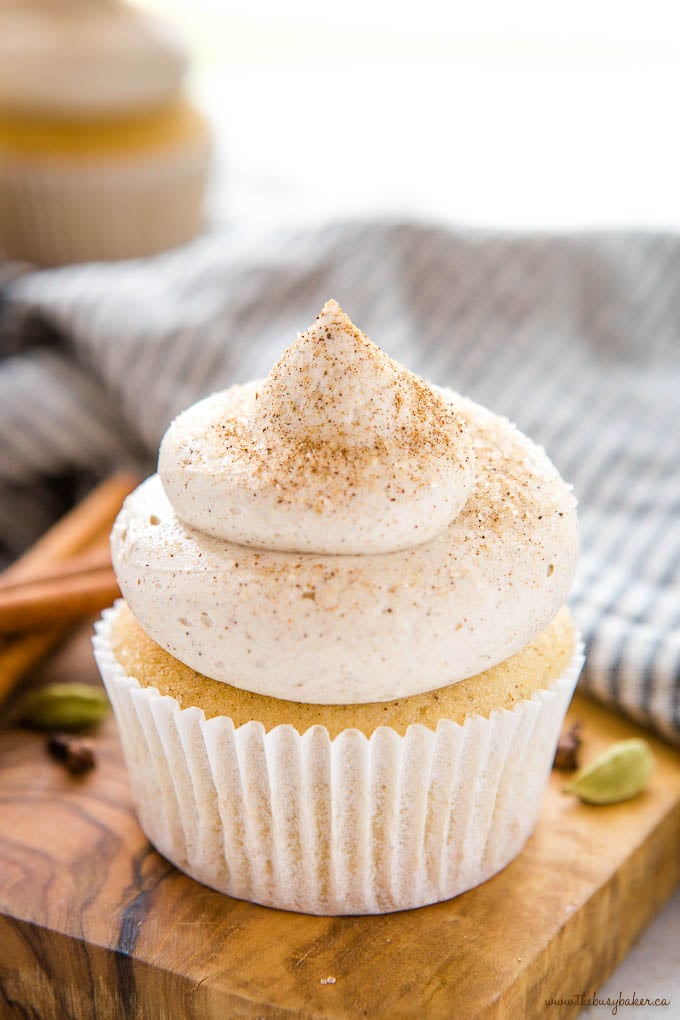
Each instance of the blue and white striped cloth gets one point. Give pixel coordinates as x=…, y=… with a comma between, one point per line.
x=576, y=338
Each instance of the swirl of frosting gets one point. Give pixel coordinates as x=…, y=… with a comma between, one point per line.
x=358, y=627
x=85, y=58
x=339, y=450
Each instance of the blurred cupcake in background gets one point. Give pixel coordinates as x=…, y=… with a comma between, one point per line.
x=102, y=156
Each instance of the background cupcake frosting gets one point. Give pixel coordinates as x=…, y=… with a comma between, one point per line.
x=86, y=58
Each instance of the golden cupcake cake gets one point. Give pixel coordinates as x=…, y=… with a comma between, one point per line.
x=102, y=155
x=343, y=656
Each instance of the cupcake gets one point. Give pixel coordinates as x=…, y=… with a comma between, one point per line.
x=101, y=155
x=344, y=656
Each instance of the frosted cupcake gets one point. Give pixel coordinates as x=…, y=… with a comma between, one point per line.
x=101, y=154
x=343, y=658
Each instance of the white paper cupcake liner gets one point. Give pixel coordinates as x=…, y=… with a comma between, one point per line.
x=345, y=826
x=57, y=211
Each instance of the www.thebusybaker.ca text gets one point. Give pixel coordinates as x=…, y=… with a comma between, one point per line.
x=583, y=1000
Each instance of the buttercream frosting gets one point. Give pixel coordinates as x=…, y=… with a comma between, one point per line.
x=351, y=626
x=339, y=450
x=85, y=58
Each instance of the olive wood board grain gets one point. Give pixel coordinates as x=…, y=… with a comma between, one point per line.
x=95, y=924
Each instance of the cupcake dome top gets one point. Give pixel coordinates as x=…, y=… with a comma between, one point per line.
x=85, y=59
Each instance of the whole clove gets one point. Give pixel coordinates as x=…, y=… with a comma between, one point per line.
x=567, y=752
x=75, y=753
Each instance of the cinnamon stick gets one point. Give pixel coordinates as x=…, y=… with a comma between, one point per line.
x=96, y=558
x=83, y=528
x=43, y=603
x=77, y=530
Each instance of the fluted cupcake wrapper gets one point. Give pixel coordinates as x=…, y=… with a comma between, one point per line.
x=56, y=211
x=353, y=825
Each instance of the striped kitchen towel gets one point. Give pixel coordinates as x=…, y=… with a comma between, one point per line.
x=576, y=338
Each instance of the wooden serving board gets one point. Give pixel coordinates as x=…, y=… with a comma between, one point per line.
x=95, y=924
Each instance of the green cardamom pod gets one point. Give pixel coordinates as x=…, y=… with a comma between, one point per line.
x=620, y=773
x=69, y=706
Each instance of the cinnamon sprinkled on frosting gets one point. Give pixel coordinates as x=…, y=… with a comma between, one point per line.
x=335, y=389
x=339, y=450
x=400, y=541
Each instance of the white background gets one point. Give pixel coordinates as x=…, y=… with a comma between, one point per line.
x=508, y=114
